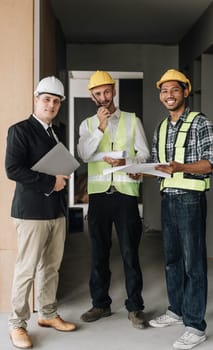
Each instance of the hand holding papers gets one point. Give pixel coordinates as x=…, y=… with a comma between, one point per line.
x=143, y=168
x=114, y=154
x=58, y=161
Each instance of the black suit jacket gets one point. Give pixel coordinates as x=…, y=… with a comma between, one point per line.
x=27, y=142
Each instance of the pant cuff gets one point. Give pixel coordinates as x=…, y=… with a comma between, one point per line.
x=195, y=331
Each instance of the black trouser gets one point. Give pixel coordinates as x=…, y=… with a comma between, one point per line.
x=122, y=210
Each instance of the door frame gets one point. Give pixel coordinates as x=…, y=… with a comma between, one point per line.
x=78, y=81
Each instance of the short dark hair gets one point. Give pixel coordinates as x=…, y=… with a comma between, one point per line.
x=183, y=85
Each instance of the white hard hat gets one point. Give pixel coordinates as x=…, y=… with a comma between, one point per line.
x=50, y=85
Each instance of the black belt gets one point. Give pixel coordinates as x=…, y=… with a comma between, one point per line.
x=111, y=190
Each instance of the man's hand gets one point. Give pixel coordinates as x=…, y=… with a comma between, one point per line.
x=172, y=167
x=114, y=162
x=135, y=176
x=60, y=182
x=103, y=115
x=200, y=167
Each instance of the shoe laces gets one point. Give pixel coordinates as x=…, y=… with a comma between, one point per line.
x=21, y=330
x=163, y=317
x=187, y=335
x=60, y=319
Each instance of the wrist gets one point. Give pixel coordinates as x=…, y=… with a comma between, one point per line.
x=101, y=129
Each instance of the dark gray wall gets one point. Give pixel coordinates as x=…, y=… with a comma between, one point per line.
x=152, y=60
x=194, y=55
x=198, y=41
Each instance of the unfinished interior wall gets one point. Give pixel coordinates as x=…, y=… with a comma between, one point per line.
x=16, y=86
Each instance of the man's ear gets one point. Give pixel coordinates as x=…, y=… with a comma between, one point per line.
x=92, y=97
x=35, y=99
x=114, y=91
x=186, y=93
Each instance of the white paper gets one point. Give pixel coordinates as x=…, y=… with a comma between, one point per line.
x=143, y=168
x=114, y=154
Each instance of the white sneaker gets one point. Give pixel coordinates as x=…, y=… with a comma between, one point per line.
x=165, y=321
x=188, y=340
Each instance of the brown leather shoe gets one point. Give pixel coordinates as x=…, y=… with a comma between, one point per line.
x=138, y=319
x=95, y=314
x=58, y=324
x=20, y=338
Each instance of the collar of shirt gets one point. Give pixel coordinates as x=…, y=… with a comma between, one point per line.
x=116, y=114
x=45, y=125
x=182, y=117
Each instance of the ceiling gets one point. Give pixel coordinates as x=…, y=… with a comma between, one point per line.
x=162, y=22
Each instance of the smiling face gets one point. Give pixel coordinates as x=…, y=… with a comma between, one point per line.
x=173, y=96
x=46, y=107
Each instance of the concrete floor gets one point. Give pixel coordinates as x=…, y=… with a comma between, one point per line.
x=115, y=332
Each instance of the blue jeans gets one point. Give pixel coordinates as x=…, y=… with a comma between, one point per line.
x=184, y=237
x=122, y=211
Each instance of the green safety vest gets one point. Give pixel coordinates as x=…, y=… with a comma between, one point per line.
x=179, y=180
x=124, y=140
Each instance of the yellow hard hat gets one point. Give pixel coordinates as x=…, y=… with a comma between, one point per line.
x=100, y=78
x=173, y=74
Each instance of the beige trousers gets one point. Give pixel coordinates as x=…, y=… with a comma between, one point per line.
x=40, y=251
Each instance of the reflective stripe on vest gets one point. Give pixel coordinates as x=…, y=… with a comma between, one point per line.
x=124, y=140
x=178, y=180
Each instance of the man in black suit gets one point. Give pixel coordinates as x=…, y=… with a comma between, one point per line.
x=38, y=211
